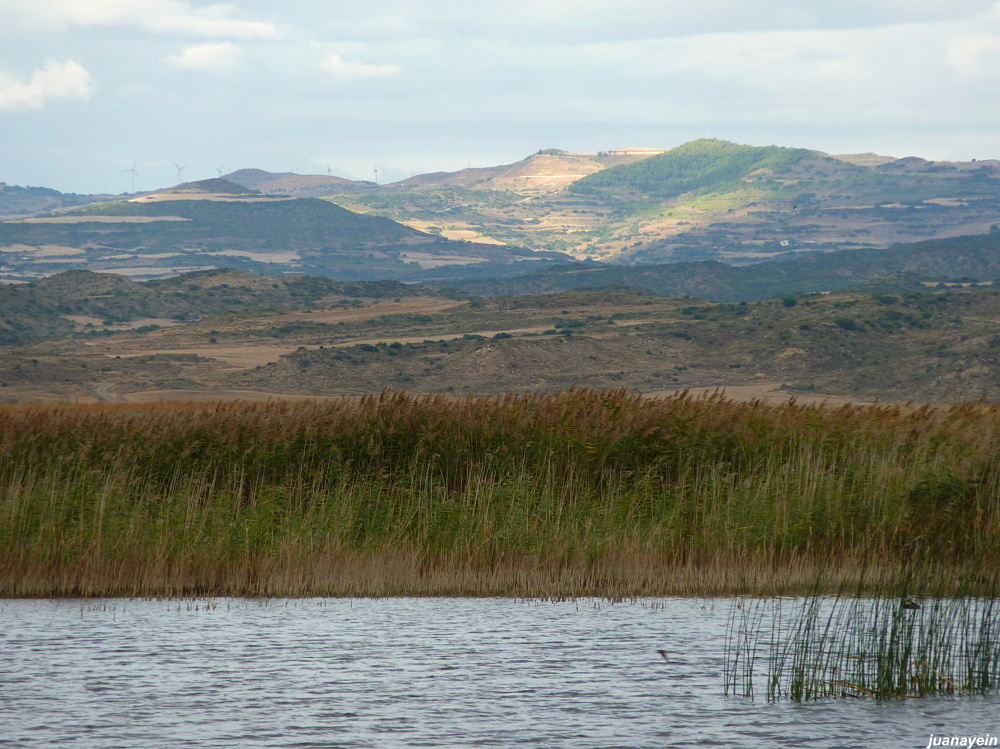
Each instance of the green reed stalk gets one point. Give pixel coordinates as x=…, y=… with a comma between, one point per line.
x=574, y=493
x=896, y=637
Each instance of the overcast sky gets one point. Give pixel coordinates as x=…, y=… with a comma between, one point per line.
x=89, y=87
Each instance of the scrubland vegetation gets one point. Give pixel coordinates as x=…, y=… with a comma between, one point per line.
x=577, y=493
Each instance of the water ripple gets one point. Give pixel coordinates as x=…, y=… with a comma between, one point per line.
x=410, y=672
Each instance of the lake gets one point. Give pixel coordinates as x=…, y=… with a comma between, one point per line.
x=413, y=672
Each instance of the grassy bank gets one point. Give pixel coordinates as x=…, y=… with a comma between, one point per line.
x=573, y=494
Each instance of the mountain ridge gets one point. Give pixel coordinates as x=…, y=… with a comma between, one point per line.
x=211, y=223
x=739, y=204
x=703, y=200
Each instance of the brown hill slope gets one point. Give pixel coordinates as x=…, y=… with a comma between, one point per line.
x=929, y=346
x=543, y=172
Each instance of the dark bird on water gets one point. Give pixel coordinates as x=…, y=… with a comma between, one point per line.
x=910, y=604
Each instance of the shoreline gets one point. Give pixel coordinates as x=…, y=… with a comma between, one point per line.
x=402, y=576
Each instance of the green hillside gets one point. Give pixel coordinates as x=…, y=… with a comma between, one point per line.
x=701, y=165
x=704, y=200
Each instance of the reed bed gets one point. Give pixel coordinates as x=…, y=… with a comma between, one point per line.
x=879, y=642
x=576, y=493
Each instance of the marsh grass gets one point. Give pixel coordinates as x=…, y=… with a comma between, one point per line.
x=896, y=637
x=578, y=493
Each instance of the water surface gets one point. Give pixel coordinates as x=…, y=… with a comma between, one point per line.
x=412, y=672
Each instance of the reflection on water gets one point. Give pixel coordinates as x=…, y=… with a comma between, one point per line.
x=411, y=672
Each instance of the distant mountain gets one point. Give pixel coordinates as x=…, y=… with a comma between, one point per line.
x=703, y=200
x=959, y=259
x=218, y=223
x=541, y=172
x=294, y=185
x=214, y=186
x=698, y=166
x=18, y=202
x=545, y=171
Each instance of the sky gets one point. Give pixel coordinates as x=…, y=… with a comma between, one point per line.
x=90, y=89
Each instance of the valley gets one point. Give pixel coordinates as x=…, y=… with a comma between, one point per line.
x=313, y=337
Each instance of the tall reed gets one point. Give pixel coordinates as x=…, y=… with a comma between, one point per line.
x=569, y=494
x=892, y=638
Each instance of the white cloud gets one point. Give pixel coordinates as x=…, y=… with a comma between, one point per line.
x=160, y=17
x=543, y=69
x=67, y=80
x=845, y=67
x=591, y=21
x=342, y=68
x=221, y=57
x=974, y=52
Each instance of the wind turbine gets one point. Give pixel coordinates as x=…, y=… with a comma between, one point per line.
x=180, y=172
x=134, y=174
x=376, y=174
x=329, y=171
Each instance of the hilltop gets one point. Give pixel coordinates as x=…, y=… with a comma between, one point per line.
x=20, y=202
x=217, y=186
x=291, y=184
x=548, y=170
x=694, y=167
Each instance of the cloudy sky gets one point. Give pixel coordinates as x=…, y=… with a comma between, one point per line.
x=90, y=87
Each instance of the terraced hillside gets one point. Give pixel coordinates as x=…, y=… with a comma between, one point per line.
x=704, y=200
x=218, y=223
